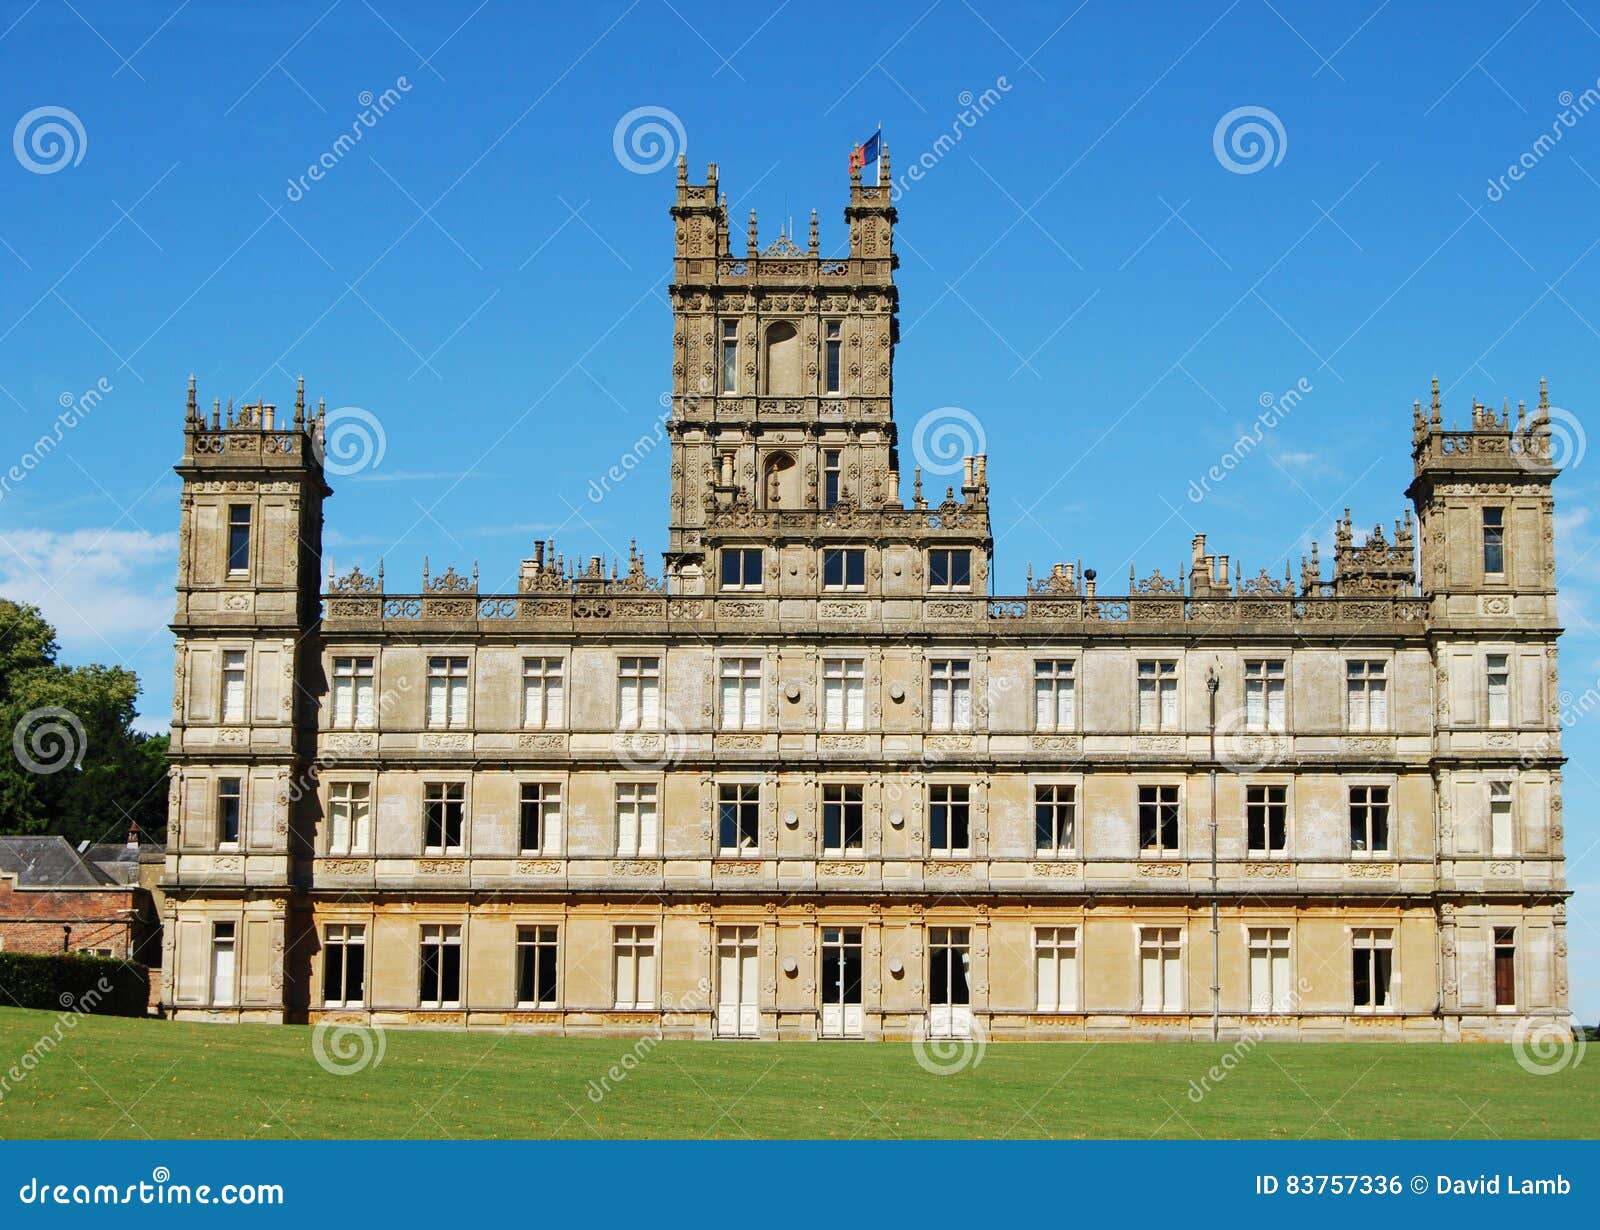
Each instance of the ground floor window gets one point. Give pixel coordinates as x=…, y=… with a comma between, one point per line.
x=1160, y=969
x=1055, y=962
x=1372, y=959
x=1270, y=990
x=344, y=966
x=440, y=967
x=536, y=967
x=223, y=970
x=634, y=966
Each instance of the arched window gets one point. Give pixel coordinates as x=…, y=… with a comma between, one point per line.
x=782, y=360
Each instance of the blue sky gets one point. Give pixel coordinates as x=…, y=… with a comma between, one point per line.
x=486, y=277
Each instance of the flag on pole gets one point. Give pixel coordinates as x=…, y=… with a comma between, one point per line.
x=866, y=154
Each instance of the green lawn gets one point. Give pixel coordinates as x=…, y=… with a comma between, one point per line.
x=121, y=1078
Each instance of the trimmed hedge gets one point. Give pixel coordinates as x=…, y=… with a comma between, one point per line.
x=74, y=982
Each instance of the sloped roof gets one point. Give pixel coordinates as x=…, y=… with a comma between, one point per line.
x=48, y=862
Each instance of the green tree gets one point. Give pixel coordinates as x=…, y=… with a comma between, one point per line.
x=72, y=762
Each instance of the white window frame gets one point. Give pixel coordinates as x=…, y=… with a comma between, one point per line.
x=349, y=832
x=450, y=680
x=1164, y=945
x=1055, y=969
x=354, y=692
x=1389, y=788
x=844, y=678
x=1287, y=803
x=1266, y=695
x=950, y=694
x=1055, y=695
x=741, y=796
x=548, y=802
x=1501, y=797
x=544, y=692
x=744, y=584
x=1056, y=803
x=639, y=692
x=635, y=967
x=345, y=936
x=1270, y=948
x=1372, y=939
x=234, y=704
x=950, y=586
x=546, y=937
x=1158, y=695
x=1365, y=680
x=844, y=849
x=442, y=936
x=845, y=585
x=949, y=790
x=238, y=796
x=449, y=792
x=739, y=679
x=1160, y=849
x=637, y=808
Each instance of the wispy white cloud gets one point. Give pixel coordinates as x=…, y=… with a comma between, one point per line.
x=108, y=592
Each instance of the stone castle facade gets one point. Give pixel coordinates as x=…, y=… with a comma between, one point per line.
x=821, y=780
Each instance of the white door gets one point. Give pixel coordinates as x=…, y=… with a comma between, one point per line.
x=949, y=997
x=738, y=983
x=841, y=982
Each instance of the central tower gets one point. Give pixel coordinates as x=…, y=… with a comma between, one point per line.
x=782, y=378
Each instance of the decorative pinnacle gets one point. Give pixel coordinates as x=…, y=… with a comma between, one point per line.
x=193, y=411
x=1544, y=399
x=751, y=233
x=1437, y=412
x=300, y=401
x=811, y=247
x=683, y=170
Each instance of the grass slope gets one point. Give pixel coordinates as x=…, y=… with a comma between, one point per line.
x=132, y=1079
